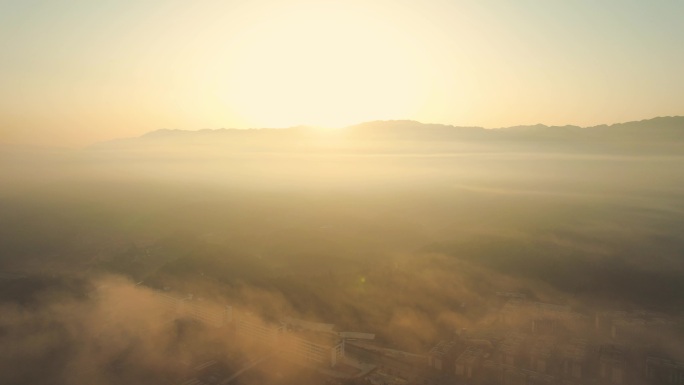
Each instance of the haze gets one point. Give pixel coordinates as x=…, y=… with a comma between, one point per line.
x=79, y=72
x=341, y=193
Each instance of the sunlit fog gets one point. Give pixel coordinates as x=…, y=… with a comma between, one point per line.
x=341, y=193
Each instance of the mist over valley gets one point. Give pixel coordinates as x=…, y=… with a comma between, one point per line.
x=412, y=233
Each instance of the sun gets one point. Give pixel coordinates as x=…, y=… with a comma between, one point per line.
x=322, y=65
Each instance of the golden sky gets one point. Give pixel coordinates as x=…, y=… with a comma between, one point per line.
x=81, y=71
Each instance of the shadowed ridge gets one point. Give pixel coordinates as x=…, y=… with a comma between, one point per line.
x=658, y=135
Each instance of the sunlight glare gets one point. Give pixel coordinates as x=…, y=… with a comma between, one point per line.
x=323, y=66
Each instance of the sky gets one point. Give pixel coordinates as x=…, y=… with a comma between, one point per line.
x=77, y=72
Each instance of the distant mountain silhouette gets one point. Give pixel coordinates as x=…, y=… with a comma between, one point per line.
x=658, y=135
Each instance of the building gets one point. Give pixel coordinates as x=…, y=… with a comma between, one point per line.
x=510, y=350
x=628, y=326
x=612, y=365
x=497, y=373
x=255, y=330
x=299, y=324
x=443, y=355
x=312, y=347
x=168, y=303
x=541, y=358
x=211, y=315
x=575, y=360
x=540, y=317
x=468, y=363
x=664, y=371
x=546, y=325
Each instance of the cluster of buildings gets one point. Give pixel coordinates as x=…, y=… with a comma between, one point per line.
x=533, y=361
x=533, y=343
x=626, y=326
x=546, y=344
x=312, y=346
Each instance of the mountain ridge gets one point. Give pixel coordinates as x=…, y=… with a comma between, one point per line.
x=397, y=125
x=660, y=135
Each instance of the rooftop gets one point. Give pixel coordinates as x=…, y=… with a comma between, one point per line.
x=442, y=348
x=471, y=354
x=576, y=350
x=318, y=338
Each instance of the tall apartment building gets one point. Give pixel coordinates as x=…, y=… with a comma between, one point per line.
x=310, y=347
x=258, y=331
x=443, y=354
